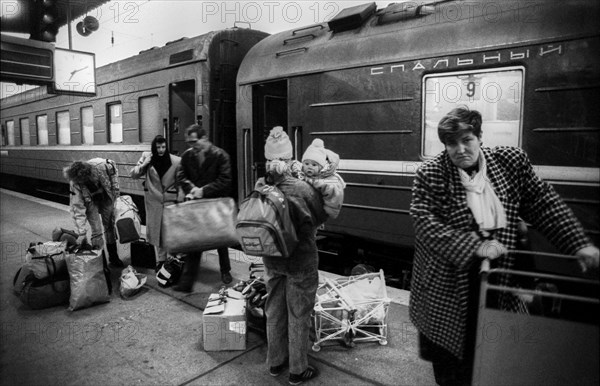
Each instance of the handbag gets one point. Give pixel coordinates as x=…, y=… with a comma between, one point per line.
x=143, y=254
x=199, y=225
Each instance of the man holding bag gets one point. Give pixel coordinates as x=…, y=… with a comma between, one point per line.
x=204, y=172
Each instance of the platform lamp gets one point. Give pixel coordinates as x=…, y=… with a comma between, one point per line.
x=44, y=20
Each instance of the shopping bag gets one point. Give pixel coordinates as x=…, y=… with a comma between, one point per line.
x=199, y=225
x=131, y=282
x=90, y=283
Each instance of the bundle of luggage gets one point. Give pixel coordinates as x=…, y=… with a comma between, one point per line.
x=61, y=272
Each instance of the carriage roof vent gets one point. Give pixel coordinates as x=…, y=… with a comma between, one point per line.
x=404, y=11
x=351, y=18
x=182, y=56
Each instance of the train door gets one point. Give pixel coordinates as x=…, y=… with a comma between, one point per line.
x=182, y=113
x=269, y=109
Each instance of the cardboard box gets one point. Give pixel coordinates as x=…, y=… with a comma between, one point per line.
x=224, y=324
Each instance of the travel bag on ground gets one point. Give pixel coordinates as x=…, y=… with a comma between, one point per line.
x=199, y=225
x=170, y=271
x=143, y=254
x=43, y=281
x=264, y=225
x=128, y=226
x=89, y=279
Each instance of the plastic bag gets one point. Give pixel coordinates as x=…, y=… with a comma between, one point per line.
x=88, y=279
x=131, y=282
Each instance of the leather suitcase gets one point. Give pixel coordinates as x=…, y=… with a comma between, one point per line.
x=199, y=225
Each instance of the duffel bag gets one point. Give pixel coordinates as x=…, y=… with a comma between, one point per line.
x=128, y=226
x=170, y=272
x=199, y=225
x=43, y=281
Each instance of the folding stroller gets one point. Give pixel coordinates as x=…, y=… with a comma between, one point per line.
x=351, y=309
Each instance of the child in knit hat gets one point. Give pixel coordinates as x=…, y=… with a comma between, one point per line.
x=279, y=153
x=319, y=167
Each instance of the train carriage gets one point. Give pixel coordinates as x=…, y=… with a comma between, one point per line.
x=159, y=91
x=374, y=83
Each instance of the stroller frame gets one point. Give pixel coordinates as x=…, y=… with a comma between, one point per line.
x=338, y=316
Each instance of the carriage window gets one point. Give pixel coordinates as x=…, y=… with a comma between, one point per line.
x=10, y=132
x=115, y=123
x=63, y=123
x=42, y=129
x=497, y=95
x=25, y=140
x=87, y=125
x=150, y=122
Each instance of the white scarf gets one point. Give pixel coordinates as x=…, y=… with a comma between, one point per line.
x=481, y=198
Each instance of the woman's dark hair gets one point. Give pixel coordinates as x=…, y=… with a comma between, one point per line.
x=459, y=121
x=158, y=139
x=79, y=172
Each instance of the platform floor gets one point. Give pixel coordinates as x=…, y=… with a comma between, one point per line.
x=155, y=338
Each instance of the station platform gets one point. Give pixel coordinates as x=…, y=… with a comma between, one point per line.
x=155, y=337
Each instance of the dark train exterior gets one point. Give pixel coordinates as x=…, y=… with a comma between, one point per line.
x=374, y=84
x=159, y=91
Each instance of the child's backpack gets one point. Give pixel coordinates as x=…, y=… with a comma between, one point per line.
x=264, y=226
x=127, y=220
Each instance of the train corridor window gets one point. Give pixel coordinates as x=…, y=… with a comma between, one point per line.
x=10, y=132
x=42, y=129
x=25, y=140
x=496, y=94
x=150, y=122
x=87, y=125
x=63, y=126
x=115, y=123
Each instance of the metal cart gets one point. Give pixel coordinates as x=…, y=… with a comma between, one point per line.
x=555, y=342
x=351, y=309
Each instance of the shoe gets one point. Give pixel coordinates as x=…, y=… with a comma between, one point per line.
x=226, y=278
x=277, y=370
x=308, y=374
x=182, y=288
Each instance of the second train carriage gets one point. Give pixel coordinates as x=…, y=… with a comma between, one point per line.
x=158, y=91
x=374, y=83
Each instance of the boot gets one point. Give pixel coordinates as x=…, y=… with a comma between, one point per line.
x=113, y=256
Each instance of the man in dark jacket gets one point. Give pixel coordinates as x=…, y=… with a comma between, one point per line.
x=204, y=172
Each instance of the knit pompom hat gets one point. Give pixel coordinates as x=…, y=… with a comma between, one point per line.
x=316, y=152
x=278, y=145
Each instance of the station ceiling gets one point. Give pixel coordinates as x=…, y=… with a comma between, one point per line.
x=15, y=14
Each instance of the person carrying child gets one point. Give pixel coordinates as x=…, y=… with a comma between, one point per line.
x=319, y=167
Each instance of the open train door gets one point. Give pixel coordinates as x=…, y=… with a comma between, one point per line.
x=269, y=109
x=182, y=113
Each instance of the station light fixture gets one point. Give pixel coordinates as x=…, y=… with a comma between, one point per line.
x=44, y=20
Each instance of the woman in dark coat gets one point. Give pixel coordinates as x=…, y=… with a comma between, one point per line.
x=467, y=204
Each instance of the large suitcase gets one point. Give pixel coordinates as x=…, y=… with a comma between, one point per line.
x=127, y=220
x=199, y=225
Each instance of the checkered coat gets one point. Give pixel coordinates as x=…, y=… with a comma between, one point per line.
x=445, y=242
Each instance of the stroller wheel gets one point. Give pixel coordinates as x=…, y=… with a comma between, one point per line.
x=316, y=348
x=383, y=342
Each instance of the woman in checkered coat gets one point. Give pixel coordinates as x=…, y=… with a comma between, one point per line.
x=467, y=203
